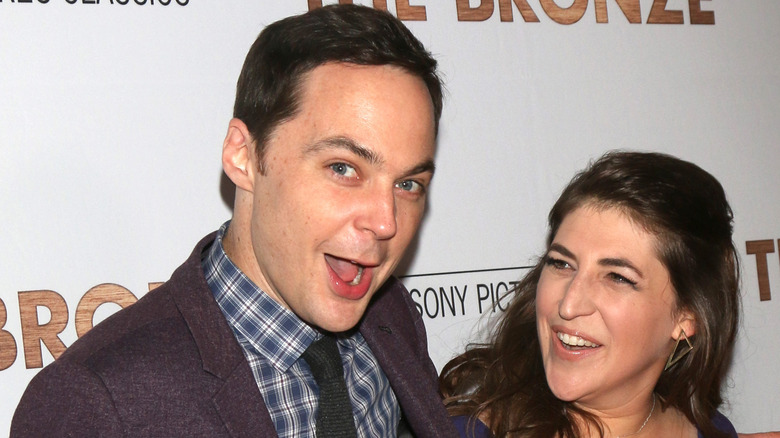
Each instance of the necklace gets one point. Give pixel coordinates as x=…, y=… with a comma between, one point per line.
x=644, y=423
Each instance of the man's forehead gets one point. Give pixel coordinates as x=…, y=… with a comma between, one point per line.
x=382, y=114
x=335, y=74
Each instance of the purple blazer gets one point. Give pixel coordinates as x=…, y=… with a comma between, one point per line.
x=169, y=365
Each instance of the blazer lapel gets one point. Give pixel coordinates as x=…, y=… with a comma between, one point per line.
x=397, y=338
x=238, y=402
x=241, y=406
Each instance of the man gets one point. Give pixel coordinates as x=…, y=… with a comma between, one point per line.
x=331, y=150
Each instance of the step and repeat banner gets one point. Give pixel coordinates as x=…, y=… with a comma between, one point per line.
x=113, y=112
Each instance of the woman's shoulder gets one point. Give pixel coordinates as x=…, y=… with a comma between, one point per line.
x=722, y=424
x=470, y=427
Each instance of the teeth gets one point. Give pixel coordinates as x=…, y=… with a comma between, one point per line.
x=575, y=341
x=355, y=281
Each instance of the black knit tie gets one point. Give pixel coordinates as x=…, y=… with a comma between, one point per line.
x=335, y=410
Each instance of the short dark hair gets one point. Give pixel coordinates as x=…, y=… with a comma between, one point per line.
x=269, y=86
x=686, y=209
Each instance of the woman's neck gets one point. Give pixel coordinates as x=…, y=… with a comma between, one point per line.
x=644, y=423
x=654, y=421
x=633, y=419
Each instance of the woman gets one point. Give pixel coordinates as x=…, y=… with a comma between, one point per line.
x=626, y=326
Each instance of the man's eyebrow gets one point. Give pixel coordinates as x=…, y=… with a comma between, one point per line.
x=341, y=142
x=426, y=166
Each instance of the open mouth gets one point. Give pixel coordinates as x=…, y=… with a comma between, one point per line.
x=571, y=342
x=348, y=271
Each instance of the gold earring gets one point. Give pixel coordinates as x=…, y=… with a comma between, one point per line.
x=672, y=359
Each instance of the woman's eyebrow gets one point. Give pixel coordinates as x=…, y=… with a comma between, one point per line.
x=620, y=263
x=608, y=261
x=557, y=247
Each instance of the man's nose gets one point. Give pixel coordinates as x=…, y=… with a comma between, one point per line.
x=379, y=214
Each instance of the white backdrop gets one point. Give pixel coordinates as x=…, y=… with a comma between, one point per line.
x=112, y=115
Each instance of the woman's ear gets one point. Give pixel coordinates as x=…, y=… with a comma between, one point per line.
x=682, y=331
x=686, y=322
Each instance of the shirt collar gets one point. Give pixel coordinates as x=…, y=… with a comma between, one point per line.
x=258, y=321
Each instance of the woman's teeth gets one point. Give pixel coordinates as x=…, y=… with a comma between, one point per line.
x=575, y=341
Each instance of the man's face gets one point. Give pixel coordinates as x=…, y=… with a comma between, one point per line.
x=343, y=191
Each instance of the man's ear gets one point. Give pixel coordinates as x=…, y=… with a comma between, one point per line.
x=237, y=153
x=686, y=321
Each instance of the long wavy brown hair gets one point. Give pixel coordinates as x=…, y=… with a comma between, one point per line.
x=503, y=382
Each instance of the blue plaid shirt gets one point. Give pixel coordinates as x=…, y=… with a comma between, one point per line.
x=274, y=338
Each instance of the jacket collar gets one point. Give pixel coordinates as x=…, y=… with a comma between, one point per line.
x=220, y=353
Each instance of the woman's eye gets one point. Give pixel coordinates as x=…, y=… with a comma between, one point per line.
x=617, y=278
x=343, y=169
x=410, y=186
x=556, y=263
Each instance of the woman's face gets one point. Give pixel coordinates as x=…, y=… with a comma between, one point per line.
x=605, y=310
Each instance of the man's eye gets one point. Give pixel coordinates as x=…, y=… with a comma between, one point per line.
x=410, y=186
x=343, y=169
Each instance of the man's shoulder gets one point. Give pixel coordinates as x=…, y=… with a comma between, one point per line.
x=138, y=369
x=82, y=390
x=124, y=344
x=155, y=322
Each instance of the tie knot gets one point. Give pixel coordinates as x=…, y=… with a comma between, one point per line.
x=324, y=359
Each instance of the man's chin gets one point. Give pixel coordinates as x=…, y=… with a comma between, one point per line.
x=342, y=317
